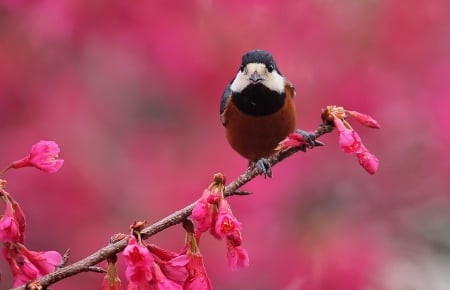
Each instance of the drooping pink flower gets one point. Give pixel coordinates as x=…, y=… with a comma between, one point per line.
x=19, y=217
x=350, y=141
x=235, y=238
x=202, y=213
x=339, y=124
x=161, y=282
x=43, y=156
x=22, y=269
x=9, y=228
x=198, y=278
x=237, y=257
x=364, y=119
x=368, y=161
x=172, y=264
x=45, y=262
x=225, y=224
x=29, y=265
x=139, y=265
x=221, y=223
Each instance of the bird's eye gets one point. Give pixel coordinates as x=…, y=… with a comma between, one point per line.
x=242, y=68
x=270, y=68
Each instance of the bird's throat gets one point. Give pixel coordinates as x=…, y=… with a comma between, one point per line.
x=258, y=100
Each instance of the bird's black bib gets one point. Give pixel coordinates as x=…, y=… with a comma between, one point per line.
x=258, y=100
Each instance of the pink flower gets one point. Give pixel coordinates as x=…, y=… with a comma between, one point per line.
x=225, y=224
x=291, y=140
x=364, y=119
x=43, y=156
x=237, y=257
x=368, y=161
x=9, y=228
x=138, y=261
x=160, y=281
x=198, y=278
x=19, y=217
x=235, y=238
x=213, y=211
x=28, y=265
x=45, y=262
x=350, y=141
x=339, y=124
x=22, y=269
x=172, y=264
x=202, y=212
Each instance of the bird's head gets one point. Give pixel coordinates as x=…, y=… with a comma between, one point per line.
x=258, y=67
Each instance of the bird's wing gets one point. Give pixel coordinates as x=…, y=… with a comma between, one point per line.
x=226, y=98
x=289, y=88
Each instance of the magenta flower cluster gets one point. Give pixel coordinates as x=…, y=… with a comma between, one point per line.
x=213, y=213
x=27, y=265
x=349, y=140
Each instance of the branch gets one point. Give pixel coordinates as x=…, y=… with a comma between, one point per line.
x=88, y=263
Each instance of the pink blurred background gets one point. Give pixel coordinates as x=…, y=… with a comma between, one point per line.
x=130, y=92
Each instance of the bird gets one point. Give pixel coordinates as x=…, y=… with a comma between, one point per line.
x=258, y=110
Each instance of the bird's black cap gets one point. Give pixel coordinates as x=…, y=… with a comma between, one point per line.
x=259, y=56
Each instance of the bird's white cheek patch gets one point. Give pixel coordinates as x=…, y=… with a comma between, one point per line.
x=239, y=83
x=274, y=82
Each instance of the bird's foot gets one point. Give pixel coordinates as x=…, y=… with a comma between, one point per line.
x=264, y=167
x=309, y=140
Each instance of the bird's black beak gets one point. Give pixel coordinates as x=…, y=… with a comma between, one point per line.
x=255, y=77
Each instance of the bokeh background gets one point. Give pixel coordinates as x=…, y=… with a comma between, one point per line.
x=130, y=91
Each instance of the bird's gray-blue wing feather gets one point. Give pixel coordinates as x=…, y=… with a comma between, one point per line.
x=223, y=104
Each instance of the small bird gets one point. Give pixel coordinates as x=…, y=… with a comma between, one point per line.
x=258, y=110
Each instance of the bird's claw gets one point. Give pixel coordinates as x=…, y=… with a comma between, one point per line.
x=264, y=167
x=309, y=140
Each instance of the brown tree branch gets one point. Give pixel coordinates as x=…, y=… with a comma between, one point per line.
x=87, y=264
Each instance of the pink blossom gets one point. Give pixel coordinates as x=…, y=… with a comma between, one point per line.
x=237, y=257
x=339, y=124
x=291, y=140
x=9, y=228
x=175, y=268
x=43, y=156
x=198, y=278
x=350, y=141
x=226, y=224
x=161, y=282
x=364, y=119
x=45, y=262
x=172, y=264
x=235, y=238
x=22, y=269
x=368, y=161
x=202, y=213
x=138, y=261
x=19, y=217
x=28, y=265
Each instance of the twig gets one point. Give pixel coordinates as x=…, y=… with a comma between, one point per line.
x=96, y=269
x=88, y=263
